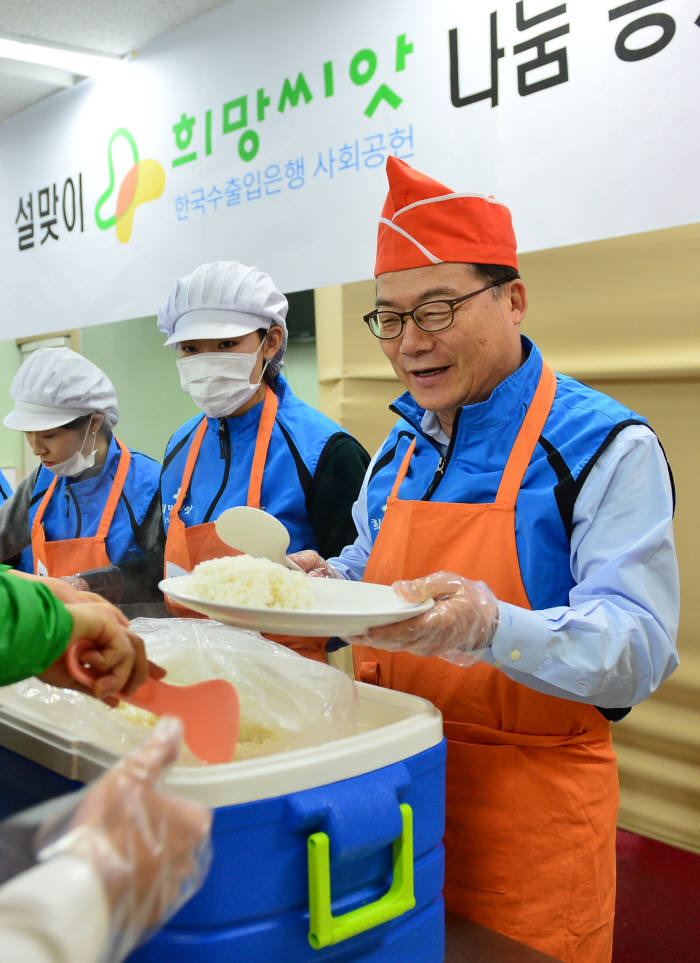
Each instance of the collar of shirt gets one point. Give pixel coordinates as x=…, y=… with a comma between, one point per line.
x=431, y=427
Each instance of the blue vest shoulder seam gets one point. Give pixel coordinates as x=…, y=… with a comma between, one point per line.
x=305, y=477
x=142, y=454
x=390, y=453
x=130, y=512
x=169, y=455
x=568, y=488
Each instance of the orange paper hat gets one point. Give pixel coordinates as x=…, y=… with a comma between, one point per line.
x=423, y=222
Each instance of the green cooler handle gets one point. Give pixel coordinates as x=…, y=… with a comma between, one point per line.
x=326, y=929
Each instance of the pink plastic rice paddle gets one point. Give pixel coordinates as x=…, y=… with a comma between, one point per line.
x=209, y=710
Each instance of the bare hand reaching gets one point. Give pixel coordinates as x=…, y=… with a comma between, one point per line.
x=117, y=654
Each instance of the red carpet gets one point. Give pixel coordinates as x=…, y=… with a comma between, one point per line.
x=658, y=902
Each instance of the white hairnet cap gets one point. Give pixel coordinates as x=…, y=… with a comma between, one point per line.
x=225, y=299
x=54, y=386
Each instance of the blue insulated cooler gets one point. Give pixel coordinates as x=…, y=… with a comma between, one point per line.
x=331, y=852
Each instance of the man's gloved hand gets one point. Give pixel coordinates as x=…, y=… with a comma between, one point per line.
x=313, y=564
x=458, y=628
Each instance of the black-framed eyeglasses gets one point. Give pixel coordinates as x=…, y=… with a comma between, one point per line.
x=429, y=316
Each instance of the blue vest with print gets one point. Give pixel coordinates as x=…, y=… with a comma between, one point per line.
x=222, y=472
x=581, y=423
x=76, y=506
x=5, y=489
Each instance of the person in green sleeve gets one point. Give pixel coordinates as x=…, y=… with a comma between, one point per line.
x=130, y=854
x=40, y=618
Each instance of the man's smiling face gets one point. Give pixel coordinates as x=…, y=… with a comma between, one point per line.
x=462, y=364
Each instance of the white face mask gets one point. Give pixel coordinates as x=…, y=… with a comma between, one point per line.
x=78, y=462
x=219, y=382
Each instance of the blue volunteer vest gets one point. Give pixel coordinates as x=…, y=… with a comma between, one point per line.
x=76, y=507
x=222, y=472
x=581, y=423
x=5, y=489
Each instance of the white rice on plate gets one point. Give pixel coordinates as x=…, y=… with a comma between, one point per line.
x=255, y=582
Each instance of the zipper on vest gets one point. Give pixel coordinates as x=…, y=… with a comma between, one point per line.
x=70, y=494
x=224, y=441
x=224, y=452
x=443, y=463
x=437, y=477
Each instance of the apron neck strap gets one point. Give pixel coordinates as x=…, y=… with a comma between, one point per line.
x=192, y=454
x=39, y=517
x=267, y=422
x=112, y=499
x=401, y=474
x=116, y=490
x=528, y=436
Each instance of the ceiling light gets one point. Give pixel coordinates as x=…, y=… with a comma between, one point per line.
x=63, y=58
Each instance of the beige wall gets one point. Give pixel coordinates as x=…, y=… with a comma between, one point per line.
x=356, y=382
x=623, y=316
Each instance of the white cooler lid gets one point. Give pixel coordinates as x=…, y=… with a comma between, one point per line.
x=392, y=726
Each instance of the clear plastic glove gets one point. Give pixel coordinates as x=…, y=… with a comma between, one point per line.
x=150, y=849
x=314, y=565
x=73, y=589
x=107, y=582
x=458, y=628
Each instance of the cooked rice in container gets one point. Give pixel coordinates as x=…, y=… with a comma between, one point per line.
x=286, y=702
x=252, y=736
x=255, y=582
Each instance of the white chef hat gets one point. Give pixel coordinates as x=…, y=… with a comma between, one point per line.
x=56, y=385
x=224, y=300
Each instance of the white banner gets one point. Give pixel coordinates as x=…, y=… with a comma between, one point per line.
x=259, y=132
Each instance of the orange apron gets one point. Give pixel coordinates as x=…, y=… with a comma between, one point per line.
x=68, y=556
x=186, y=546
x=532, y=789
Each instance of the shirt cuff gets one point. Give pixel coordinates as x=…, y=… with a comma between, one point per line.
x=344, y=570
x=62, y=904
x=520, y=642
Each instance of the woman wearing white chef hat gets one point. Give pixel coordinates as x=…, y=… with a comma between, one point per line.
x=92, y=502
x=257, y=444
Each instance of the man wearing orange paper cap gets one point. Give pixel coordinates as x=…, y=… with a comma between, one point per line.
x=537, y=513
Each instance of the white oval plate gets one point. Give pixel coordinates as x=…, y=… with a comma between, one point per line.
x=341, y=607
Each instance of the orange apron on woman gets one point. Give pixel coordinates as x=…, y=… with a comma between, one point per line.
x=532, y=791
x=68, y=556
x=185, y=546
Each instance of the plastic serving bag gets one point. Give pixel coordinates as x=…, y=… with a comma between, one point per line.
x=287, y=701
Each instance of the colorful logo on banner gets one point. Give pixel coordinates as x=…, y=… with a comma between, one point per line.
x=144, y=182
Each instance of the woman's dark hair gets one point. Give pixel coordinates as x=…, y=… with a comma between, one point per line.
x=82, y=422
x=268, y=378
x=77, y=423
